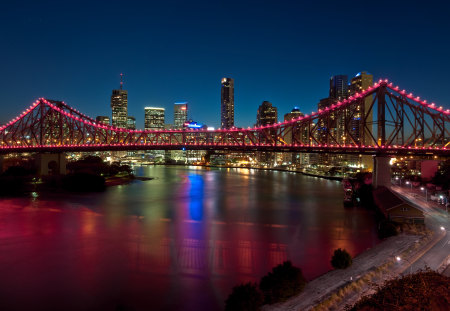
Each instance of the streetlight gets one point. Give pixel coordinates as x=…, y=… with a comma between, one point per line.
x=444, y=200
x=426, y=192
x=398, y=258
x=409, y=183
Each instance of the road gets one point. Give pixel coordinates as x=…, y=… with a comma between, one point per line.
x=436, y=219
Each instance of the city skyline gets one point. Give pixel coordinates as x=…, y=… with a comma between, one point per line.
x=173, y=52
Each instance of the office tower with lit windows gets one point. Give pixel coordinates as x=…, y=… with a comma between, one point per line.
x=103, y=119
x=154, y=118
x=339, y=87
x=362, y=115
x=227, y=103
x=119, y=106
x=359, y=83
x=131, y=123
x=180, y=117
x=180, y=114
x=293, y=158
x=266, y=115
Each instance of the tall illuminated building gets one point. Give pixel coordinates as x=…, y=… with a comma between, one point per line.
x=359, y=83
x=339, y=87
x=131, y=123
x=266, y=115
x=119, y=106
x=362, y=121
x=292, y=157
x=103, y=119
x=180, y=114
x=227, y=103
x=154, y=118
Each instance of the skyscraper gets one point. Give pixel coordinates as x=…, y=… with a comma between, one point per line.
x=227, y=103
x=103, y=119
x=289, y=137
x=359, y=83
x=363, y=115
x=339, y=87
x=267, y=114
x=131, y=123
x=154, y=118
x=119, y=106
x=180, y=114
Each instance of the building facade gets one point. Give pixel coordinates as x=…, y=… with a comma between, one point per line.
x=267, y=114
x=119, y=106
x=103, y=119
x=131, y=123
x=180, y=114
x=154, y=118
x=227, y=103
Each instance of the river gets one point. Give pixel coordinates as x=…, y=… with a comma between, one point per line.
x=178, y=242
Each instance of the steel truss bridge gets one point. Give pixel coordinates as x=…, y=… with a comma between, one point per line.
x=381, y=120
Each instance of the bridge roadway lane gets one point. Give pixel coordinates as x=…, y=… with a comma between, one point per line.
x=435, y=218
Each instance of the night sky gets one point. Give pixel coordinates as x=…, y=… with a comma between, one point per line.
x=169, y=51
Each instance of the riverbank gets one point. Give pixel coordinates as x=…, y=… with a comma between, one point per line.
x=337, y=288
x=337, y=178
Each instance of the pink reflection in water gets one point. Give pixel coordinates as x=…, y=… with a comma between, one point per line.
x=179, y=242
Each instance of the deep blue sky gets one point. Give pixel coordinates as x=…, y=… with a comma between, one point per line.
x=280, y=51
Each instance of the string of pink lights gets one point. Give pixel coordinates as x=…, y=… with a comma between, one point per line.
x=77, y=116
x=340, y=104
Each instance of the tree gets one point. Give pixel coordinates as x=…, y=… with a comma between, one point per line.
x=244, y=297
x=424, y=290
x=442, y=176
x=341, y=259
x=283, y=282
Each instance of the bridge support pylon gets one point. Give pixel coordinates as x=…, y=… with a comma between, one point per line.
x=51, y=163
x=381, y=171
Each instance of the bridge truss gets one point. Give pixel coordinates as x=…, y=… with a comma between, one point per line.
x=380, y=120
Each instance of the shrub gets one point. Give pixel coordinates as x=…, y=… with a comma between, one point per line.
x=341, y=259
x=83, y=182
x=386, y=229
x=244, y=297
x=283, y=282
x=424, y=290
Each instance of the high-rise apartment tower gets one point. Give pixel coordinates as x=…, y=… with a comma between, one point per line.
x=227, y=103
x=119, y=106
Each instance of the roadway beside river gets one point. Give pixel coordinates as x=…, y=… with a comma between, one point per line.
x=392, y=258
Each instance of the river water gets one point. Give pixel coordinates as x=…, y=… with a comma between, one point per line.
x=178, y=242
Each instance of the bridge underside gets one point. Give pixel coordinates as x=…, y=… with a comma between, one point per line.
x=410, y=151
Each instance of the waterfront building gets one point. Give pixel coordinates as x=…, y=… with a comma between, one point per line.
x=339, y=87
x=154, y=118
x=359, y=83
x=119, y=106
x=179, y=119
x=293, y=158
x=266, y=115
x=131, y=123
x=103, y=119
x=180, y=114
x=227, y=103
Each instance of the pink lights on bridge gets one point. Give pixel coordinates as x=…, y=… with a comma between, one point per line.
x=138, y=138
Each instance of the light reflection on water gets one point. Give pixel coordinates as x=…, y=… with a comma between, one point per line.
x=180, y=241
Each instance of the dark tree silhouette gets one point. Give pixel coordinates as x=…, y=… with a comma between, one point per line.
x=341, y=259
x=283, y=282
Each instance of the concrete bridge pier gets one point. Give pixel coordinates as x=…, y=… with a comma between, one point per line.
x=381, y=171
x=51, y=163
